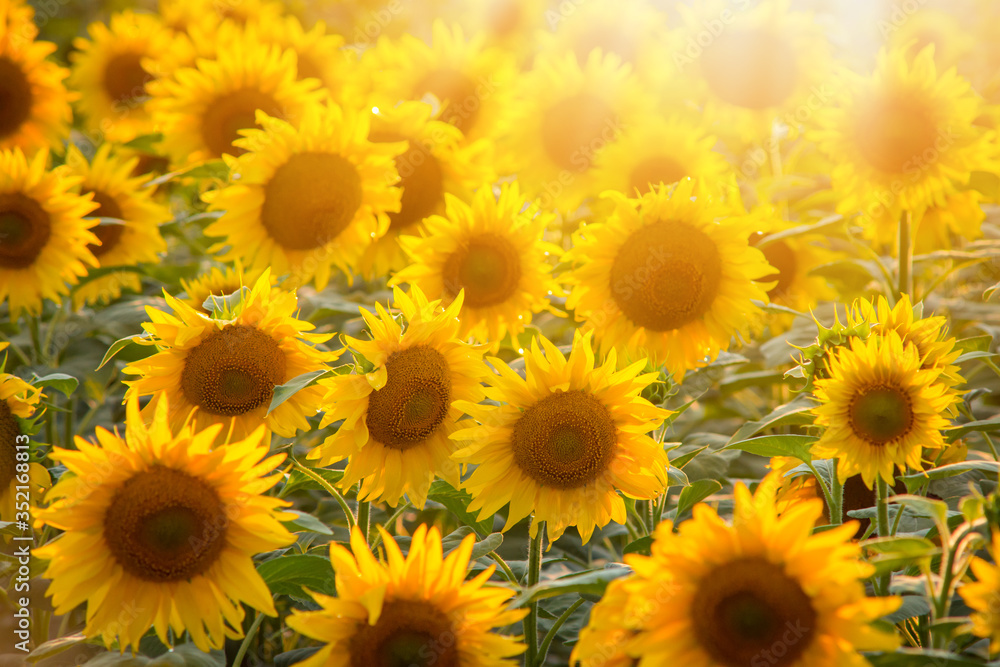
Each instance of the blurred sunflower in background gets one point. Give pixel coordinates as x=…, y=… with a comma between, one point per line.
x=134, y=239
x=217, y=281
x=492, y=250
x=561, y=442
x=983, y=595
x=19, y=402
x=397, y=417
x=17, y=20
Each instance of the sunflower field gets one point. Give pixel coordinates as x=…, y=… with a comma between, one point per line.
x=489, y=333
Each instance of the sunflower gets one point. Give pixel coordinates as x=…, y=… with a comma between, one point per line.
x=562, y=115
x=663, y=276
x=164, y=526
x=123, y=197
x=202, y=108
x=903, y=139
x=112, y=68
x=563, y=440
x=17, y=21
x=43, y=232
x=190, y=16
x=35, y=113
x=397, y=418
x=437, y=161
x=941, y=227
x=719, y=595
x=504, y=23
x=467, y=78
x=217, y=282
x=402, y=610
x=879, y=407
x=929, y=26
x=18, y=401
x=223, y=369
x=305, y=200
x=983, y=596
x=604, y=638
x=660, y=150
x=493, y=250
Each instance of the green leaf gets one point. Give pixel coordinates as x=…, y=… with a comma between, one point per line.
x=145, y=143
x=306, y=523
x=283, y=392
x=213, y=169
x=640, y=546
x=54, y=647
x=826, y=224
x=289, y=575
x=676, y=477
x=975, y=344
x=910, y=657
x=982, y=426
x=227, y=303
x=916, y=480
x=695, y=493
x=777, y=445
x=298, y=481
x=755, y=379
x=488, y=544
x=684, y=459
x=588, y=582
x=66, y=384
x=913, y=605
x=457, y=501
x=119, y=345
x=897, y=553
x=789, y=413
x=934, y=509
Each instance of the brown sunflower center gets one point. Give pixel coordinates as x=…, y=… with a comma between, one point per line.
x=457, y=91
x=881, y=413
x=487, y=267
x=310, y=200
x=743, y=608
x=125, y=79
x=109, y=234
x=896, y=136
x=653, y=171
x=165, y=525
x=781, y=257
x=25, y=228
x=233, y=371
x=16, y=97
x=574, y=128
x=408, y=633
x=565, y=440
x=755, y=69
x=228, y=114
x=9, y=431
x=422, y=181
x=666, y=275
x=415, y=399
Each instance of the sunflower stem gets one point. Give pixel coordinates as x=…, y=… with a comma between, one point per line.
x=905, y=273
x=543, y=650
x=837, y=491
x=36, y=338
x=364, y=522
x=329, y=489
x=509, y=573
x=534, y=574
x=377, y=539
x=649, y=513
x=251, y=633
x=882, y=519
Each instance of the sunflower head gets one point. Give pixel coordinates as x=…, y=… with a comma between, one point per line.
x=19, y=402
x=217, y=282
x=983, y=595
x=162, y=524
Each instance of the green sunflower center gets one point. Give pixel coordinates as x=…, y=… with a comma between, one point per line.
x=164, y=525
x=9, y=432
x=456, y=92
x=748, y=610
x=653, y=171
x=409, y=633
x=25, y=228
x=233, y=371
x=666, y=275
x=16, y=98
x=896, y=136
x=575, y=127
x=415, y=399
x=230, y=113
x=125, y=79
x=565, y=440
x=881, y=413
x=422, y=181
x=781, y=257
x=109, y=234
x=754, y=69
x=310, y=200
x=488, y=267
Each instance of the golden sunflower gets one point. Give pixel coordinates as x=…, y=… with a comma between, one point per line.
x=217, y=282
x=664, y=277
x=397, y=418
x=903, y=139
x=43, y=232
x=35, y=112
x=303, y=200
x=17, y=21
x=409, y=610
x=203, y=108
x=941, y=227
x=879, y=408
x=603, y=640
x=164, y=526
x=467, y=78
x=437, y=161
x=222, y=369
x=719, y=595
x=507, y=24
x=561, y=117
x=18, y=400
x=563, y=441
x=121, y=196
x=929, y=26
x=660, y=150
x=190, y=16
x=983, y=595
x=491, y=249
